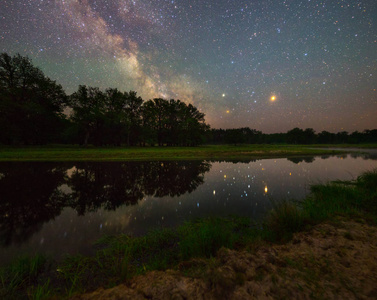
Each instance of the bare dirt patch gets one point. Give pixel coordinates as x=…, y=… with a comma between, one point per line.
x=336, y=260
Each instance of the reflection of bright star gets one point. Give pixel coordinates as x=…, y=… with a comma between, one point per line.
x=273, y=98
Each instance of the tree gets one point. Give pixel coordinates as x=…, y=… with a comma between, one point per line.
x=133, y=117
x=115, y=116
x=309, y=136
x=31, y=104
x=342, y=137
x=88, y=105
x=295, y=136
x=154, y=117
x=172, y=123
x=148, y=123
x=195, y=126
x=326, y=137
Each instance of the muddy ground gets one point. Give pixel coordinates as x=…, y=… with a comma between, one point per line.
x=336, y=260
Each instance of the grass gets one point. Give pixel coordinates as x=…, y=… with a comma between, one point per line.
x=208, y=152
x=350, y=199
x=119, y=258
x=356, y=146
x=24, y=272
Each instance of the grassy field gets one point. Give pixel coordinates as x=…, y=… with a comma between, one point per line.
x=355, y=146
x=119, y=258
x=209, y=152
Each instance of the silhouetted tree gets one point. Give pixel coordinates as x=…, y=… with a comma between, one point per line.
x=31, y=104
x=172, y=123
x=133, y=117
x=295, y=136
x=115, y=117
x=234, y=136
x=326, y=137
x=193, y=126
x=88, y=105
x=342, y=137
x=309, y=136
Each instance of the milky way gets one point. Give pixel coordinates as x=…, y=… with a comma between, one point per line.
x=270, y=65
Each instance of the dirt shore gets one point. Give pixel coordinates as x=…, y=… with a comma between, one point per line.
x=334, y=260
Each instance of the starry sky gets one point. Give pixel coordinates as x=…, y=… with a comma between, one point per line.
x=271, y=65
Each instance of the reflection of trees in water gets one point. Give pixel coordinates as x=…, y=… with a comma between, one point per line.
x=237, y=161
x=111, y=185
x=297, y=160
x=29, y=197
x=325, y=156
x=32, y=193
x=368, y=154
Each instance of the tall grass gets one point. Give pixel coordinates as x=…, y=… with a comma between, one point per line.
x=285, y=218
x=119, y=258
x=204, y=237
x=325, y=201
x=20, y=275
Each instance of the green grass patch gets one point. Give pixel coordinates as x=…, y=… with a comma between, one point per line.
x=119, y=258
x=22, y=274
x=356, y=146
x=349, y=199
x=208, y=152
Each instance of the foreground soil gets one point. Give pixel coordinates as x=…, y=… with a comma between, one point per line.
x=336, y=260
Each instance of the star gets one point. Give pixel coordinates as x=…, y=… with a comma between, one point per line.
x=172, y=50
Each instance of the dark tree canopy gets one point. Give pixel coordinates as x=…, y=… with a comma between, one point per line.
x=113, y=117
x=31, y=104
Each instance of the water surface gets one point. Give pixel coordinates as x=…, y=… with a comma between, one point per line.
x=60, y=208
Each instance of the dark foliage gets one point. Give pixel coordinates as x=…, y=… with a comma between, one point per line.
x=294, y=136
x=32, y=105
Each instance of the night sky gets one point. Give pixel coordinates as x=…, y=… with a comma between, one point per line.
x=271, y=65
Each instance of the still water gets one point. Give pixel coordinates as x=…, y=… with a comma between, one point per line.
x=60, y=208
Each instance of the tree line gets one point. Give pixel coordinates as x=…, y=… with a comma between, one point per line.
x=295, y=136
x=112, y=117
x=35, y=110
x=32, y=110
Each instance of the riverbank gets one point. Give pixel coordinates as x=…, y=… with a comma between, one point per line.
x=344, y=211
x=207, y=152
x=332, y=260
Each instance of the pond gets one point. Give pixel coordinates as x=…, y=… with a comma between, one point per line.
x=63, y=208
